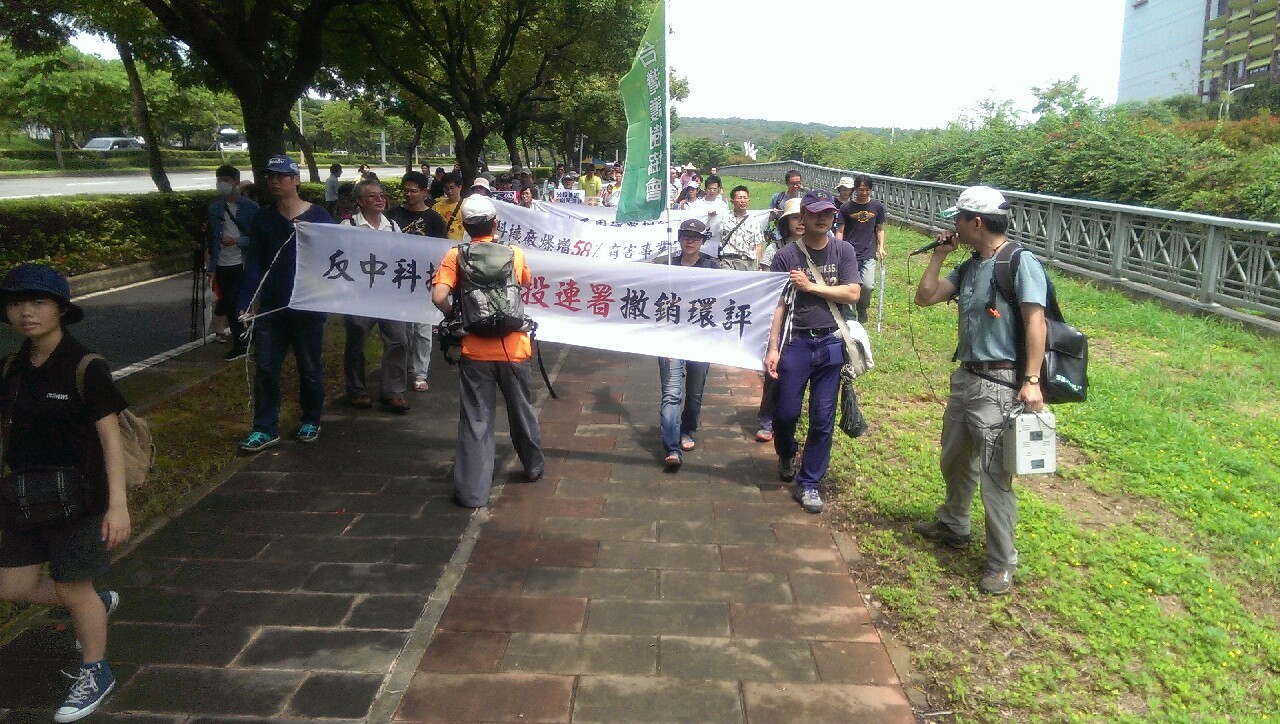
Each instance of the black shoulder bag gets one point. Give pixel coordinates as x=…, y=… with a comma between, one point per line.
x=38, y=496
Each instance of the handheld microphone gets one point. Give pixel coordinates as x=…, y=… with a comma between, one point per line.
x=934, y=245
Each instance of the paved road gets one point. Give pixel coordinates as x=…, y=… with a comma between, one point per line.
x=133, y=323
x=137, y=183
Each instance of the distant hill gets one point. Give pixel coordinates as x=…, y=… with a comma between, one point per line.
x=762, y=132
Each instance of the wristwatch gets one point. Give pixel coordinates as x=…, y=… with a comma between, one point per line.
x=1031, y=379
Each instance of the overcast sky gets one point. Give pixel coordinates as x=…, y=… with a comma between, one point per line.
x=904, y=63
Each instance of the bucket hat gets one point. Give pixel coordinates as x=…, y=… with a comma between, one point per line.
x=44, y=280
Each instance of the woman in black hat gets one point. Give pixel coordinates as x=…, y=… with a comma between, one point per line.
x=60, y=413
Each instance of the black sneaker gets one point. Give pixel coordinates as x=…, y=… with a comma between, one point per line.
x=938, y=532
x=787, y=468
x=234, y=354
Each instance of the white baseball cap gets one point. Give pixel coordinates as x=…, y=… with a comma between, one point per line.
x=846, y=182
x=483, y=182
x=978, y=200
x=478, y=207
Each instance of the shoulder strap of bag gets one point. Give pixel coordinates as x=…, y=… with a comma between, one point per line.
x=850, y=347
x=227, y=208
x=745, y=219
x=7, y=419
x=82, y=369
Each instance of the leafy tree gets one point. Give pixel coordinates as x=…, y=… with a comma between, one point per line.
x=700, y=152
x=266, y=52
x=490, y=66
x=798, y=146
x=70, y=93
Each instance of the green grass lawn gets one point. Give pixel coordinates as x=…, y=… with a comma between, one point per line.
x=1149, y=586
x=1149, y=562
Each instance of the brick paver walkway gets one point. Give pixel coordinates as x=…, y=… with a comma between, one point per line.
x=614, y=592
x=339, y=582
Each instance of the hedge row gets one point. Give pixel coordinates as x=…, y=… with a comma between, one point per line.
x=78, y=234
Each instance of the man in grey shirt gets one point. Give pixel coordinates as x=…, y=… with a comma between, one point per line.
x=988, y=385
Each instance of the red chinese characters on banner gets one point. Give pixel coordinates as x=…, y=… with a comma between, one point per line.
x=601, y=298
x=536, y=291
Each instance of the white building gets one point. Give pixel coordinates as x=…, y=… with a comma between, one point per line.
x=1161, y=49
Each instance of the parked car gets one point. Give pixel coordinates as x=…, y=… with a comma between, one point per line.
x=107, y=144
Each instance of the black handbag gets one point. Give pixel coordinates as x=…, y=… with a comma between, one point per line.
x=852, y=422
x=38, y=496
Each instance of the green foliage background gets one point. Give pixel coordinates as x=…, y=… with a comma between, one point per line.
x=1141, y=155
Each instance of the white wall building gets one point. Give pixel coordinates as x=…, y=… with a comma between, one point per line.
x=1161, y=48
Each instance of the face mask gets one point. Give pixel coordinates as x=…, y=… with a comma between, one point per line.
x=225, y=188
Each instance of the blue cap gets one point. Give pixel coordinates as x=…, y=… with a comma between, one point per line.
x=43, y=280
x=282, y=164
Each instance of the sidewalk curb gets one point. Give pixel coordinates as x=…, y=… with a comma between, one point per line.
x=99, y=281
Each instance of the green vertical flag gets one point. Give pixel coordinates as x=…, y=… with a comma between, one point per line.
x=644, y=95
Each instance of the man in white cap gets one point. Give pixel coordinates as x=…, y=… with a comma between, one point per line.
x=988, y=385
x=486, y=364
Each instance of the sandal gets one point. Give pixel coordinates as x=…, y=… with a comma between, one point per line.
x=419, y=385
x=763, y=435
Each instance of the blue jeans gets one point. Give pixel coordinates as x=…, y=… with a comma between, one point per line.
x=274, y=335
x=680, y=378
x=815, y=362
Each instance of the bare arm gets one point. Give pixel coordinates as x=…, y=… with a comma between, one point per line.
x=840, y=294
x=775, y=338
x=116, y=527
x=1036, y=331
x=441, y=297
x=932, y=289
x=880, y=250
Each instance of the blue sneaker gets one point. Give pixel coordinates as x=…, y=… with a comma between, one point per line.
x=93, y=683
x=258, y=441
x=308, y=432
x=110, y=600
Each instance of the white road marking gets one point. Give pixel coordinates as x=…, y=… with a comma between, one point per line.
x=128, y=286
x=94, y=183
x=124, y=372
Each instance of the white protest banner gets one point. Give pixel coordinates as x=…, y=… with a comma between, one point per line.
x=599, y=239
x=707, y=315
x=570, y=196
x=508, y=196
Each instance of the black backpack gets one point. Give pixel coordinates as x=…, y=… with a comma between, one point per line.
x=1064, y=375
x=489, y=301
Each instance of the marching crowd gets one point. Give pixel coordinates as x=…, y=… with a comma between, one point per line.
x=60, y=414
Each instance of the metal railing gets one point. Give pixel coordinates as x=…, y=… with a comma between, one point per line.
x=1209, y=259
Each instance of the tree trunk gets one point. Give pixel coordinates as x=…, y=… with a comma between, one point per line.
x=264, y=130
x=142, y=118
x=509, y=135
x=308, y=151
x=413, y=145
x=57, y=148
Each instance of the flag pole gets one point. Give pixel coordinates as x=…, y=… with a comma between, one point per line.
x=666, y=121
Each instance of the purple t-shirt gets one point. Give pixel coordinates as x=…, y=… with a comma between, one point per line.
x=860, y=224
x=838, y=264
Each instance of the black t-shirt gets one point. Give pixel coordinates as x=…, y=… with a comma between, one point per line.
x=838, y=264
x=422, y=223
x=860, y=224
x=52, y=425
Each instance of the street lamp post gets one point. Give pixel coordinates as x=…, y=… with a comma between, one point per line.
x=1226, y=103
